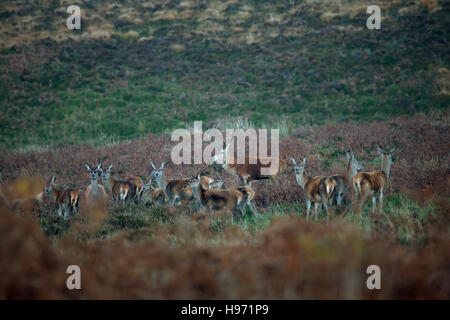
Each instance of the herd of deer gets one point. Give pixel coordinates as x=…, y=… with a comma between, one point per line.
x=210, y=194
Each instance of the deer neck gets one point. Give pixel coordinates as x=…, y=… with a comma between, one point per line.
x=229, y=163
x=302, y=179
x=386, y=166
x=94, y=187
x=109, y=183
x=351, y=170
x=162, y=182
x=54, y=195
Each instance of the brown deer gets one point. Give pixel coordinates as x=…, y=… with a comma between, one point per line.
x=150, y=194
x=176, y=189
x=230, y=200
x=374, y=183
x=344, y=181
x=138, y=184
x=252, y=169
x=218, y=184
x=120, y=190
x=95, y=192
x=65, y=199
x=318, y=190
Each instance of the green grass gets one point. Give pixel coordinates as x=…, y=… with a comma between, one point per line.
x=402, y=217
x=97, y=91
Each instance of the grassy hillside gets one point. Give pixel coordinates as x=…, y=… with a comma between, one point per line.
x=113, y=91
x=143, y=67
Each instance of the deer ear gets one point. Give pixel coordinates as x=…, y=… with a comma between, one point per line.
x=304, y=160
x=110, y=167
x=53, y=179
x=392, y=150
x=87, y=167
x=152, y=164
x=99, y=166
x=293, y=161
x=348, y=156
x=162, y=165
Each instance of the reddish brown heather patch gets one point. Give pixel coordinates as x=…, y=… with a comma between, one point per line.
x=292, y=259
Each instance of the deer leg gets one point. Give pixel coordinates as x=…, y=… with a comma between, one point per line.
x=241, y=208
x=252, y=208
x=328, y=212
x=308, y=208
x=380, y=203
x=75, y=207
x=66, y=211
x=339, y=198
x=316, y=210
x=374, y=203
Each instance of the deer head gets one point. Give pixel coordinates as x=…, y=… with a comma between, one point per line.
x=299, y=168
x=106, y=174
x=94, y=172
x=49, y=187
x=157, y=174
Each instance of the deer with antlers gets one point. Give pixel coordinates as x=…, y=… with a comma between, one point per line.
x=252, y=169
x=318, y=190
x=65, y=199
x=175, y=189
x=120, y=190
x=95, y=192
x=373, y=184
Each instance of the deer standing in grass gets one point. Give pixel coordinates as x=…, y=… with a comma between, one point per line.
x=176, y=189
x=230, y=200
x=95, y=192
x=373, y=184
x=151, y=194
x=252, y=169
x=318, y=190
x=344, y=181
x=120, y=190
x=65, y=199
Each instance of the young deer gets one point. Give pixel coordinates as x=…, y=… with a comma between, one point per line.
x=247, y=172
x=318, y=190
x=344, y=181
x=95, y=192
x=230, y=200
x=65, y=199
x=374, y=183
x=151, y=194
x=120, y=190
x=217, y=184
x=176, y=189
x=138, y=185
